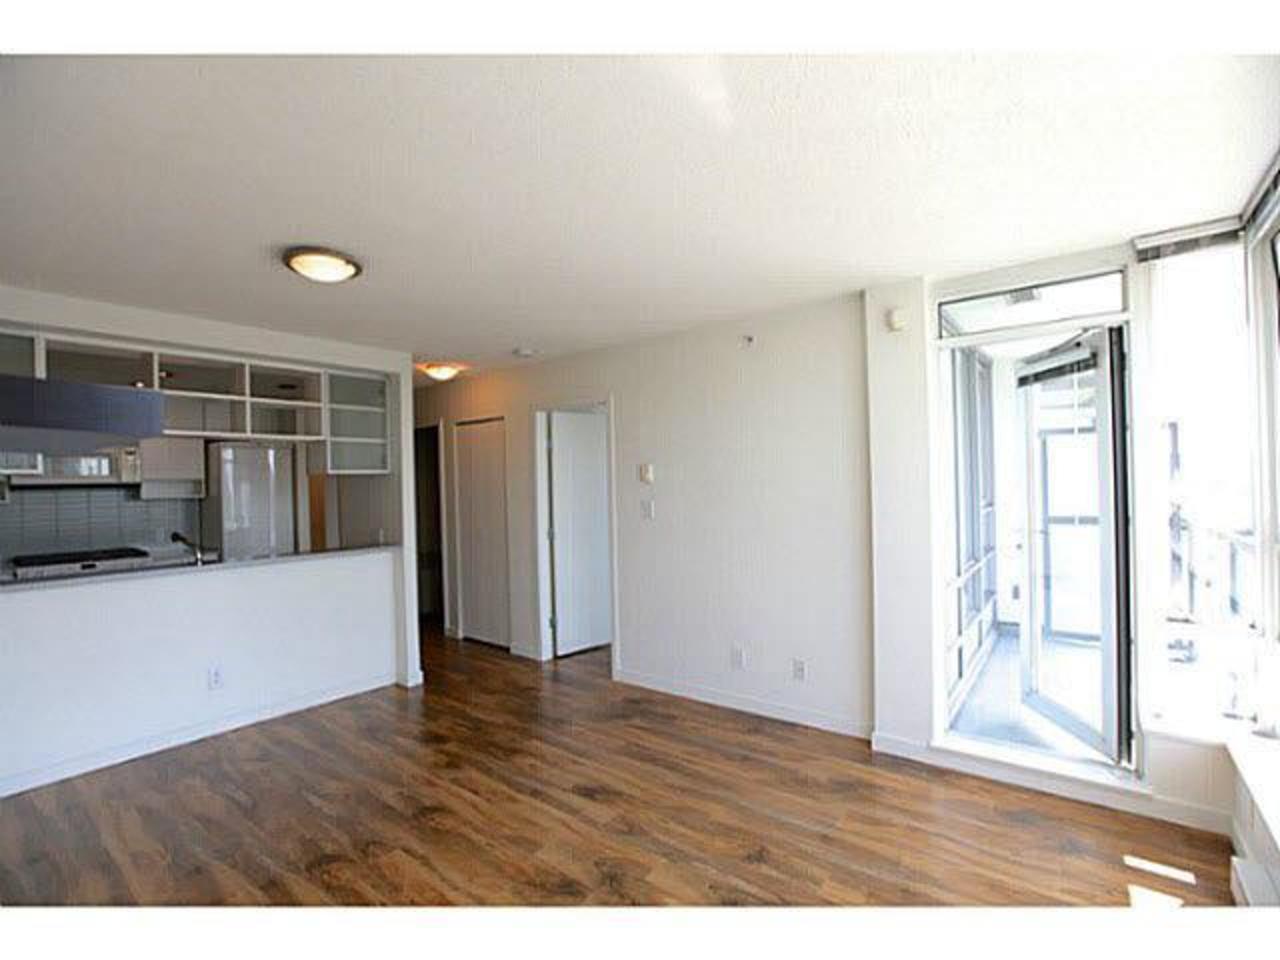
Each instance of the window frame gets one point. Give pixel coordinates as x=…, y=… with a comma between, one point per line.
x=947, y=332
x=1255, y=538
x=973, y=483
x=1262, y=279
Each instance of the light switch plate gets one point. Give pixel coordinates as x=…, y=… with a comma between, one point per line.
x=646, y=473
x=650, y=509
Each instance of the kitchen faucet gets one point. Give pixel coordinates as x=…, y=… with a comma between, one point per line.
x=176, y=537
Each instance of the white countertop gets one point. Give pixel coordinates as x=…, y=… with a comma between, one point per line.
x=20, y=586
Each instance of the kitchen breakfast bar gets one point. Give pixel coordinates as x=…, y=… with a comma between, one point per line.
x=191, y=539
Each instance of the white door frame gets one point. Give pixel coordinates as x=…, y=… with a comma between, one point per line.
x=541, y=514
x=446, y=575
x=453, y=624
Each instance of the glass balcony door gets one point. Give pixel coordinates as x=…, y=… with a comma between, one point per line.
x=1074, y=663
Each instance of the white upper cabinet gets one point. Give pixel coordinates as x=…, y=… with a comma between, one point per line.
x=172, y=467
x=172, y=458
x=358, y=428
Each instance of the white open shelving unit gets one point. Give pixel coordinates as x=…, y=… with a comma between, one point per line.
x=358, y=429
x=215, y=396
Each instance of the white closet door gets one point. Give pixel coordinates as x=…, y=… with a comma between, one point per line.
x=580, y=519
x=482, y=531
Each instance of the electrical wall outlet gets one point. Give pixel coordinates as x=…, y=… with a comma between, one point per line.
x=737, y=658
x=798, y=669
x=213, y=677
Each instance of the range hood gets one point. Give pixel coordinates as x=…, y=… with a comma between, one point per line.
x=60, y=417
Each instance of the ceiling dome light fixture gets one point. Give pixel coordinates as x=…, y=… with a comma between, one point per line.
x=441, y=370
x=320, y=264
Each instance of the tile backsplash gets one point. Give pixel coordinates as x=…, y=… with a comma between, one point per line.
x=51, y=520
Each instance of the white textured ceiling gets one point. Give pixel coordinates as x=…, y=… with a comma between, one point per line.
x=564, y=203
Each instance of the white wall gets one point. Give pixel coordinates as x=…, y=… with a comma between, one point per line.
x=93, y=672
x=761, y=535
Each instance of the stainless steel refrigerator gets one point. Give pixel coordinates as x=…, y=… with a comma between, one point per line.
x=249, y=510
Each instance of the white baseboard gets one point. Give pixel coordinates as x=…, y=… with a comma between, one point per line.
x=747, y=703
x=110, y=756
x=1130, y=799
x=414, y=679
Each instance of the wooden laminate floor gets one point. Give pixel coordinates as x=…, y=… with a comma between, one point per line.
x=508, y=782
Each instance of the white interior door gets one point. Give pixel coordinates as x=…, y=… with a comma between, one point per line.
x=580, y=557
x=482, y=531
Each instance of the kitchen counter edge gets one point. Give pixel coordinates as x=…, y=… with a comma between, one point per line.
x=8, y=587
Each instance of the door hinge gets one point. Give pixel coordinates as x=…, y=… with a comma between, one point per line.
x=551, y=535
x=551, y=622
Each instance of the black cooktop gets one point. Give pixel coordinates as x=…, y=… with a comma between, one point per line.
x=79, y=556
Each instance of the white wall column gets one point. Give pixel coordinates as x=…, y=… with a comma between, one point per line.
x=901, y=514
x=408, y=657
